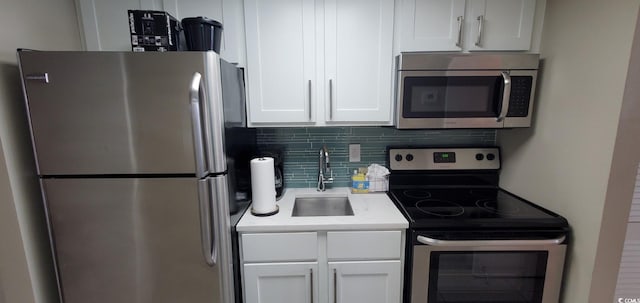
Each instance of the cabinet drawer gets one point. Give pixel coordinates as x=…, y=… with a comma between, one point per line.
x=362, y=245
x=280, y=247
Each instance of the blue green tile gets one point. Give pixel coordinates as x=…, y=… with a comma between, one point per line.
x=301, y=145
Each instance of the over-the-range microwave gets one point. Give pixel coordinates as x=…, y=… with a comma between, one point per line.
x=465, y=90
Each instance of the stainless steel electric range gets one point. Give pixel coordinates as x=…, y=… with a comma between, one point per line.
x=469, y=240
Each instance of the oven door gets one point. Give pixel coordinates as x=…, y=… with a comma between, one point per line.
x=526, y=271
x=452, y=99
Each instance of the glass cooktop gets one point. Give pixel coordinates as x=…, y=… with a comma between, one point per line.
x=471, y=207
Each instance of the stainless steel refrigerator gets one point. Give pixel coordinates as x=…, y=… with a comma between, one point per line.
x=137, y=177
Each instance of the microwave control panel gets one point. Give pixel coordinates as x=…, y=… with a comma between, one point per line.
x=520, y=96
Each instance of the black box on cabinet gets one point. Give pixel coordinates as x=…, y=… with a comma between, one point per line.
x=154, y=31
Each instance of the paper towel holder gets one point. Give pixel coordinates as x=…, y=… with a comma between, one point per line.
x=262, y=187
x=266, y=214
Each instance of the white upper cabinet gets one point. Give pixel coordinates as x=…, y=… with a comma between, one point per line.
x=105, y=24
x=281, y=48
x=471, y=25
x=431, y=25
x=319, y=62
x=500, y=24
x=358, y=60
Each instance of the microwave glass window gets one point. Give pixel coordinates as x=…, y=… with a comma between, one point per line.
x=479, y=277
x=452, y=97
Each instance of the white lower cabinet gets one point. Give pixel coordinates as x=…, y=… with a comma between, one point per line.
x=365, y=281
x=327, y=267
x=281, y=282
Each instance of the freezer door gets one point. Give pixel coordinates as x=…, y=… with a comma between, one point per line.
x=138, y=240
x=123, y=112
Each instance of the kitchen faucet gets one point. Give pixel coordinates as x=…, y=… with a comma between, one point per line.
x=323, y=169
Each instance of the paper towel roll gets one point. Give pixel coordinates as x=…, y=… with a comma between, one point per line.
x=263, y=190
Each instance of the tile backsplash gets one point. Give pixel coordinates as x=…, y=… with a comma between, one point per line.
x=301, y=147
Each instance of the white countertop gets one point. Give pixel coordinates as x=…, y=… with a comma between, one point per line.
x=372, y=211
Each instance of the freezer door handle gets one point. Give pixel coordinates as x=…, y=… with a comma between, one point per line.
x=195, y=97
x=43, y=77
x=207, y=232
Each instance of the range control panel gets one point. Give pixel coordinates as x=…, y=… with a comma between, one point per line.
x=487, y=158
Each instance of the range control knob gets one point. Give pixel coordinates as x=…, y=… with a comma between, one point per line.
x=409, y=157
x=480, y=157
x=398, y=158
x=490, y=157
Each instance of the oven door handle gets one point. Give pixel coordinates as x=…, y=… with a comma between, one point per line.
x=437, y=242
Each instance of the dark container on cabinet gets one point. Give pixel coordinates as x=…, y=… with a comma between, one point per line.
x=202, y=34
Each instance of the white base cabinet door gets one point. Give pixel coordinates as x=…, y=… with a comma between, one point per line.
x=281, y=282
x=348, y=266
x=365, y=282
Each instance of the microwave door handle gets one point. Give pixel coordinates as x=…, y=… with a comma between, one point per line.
x=438, y=242
x=505, y=97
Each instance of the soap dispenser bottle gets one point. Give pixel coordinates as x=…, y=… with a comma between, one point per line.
x=359, y=183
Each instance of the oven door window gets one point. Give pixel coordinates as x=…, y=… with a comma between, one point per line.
x=496, y=277
x=452, y=96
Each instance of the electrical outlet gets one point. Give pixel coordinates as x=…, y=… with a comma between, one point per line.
x=354, y=152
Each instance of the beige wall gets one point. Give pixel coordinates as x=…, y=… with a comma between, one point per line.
x=563, y=161
x=626, y=155
x=25, y=261
x=2, y=300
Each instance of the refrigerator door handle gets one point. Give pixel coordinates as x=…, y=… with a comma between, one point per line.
x=195, y=97
x=206, y=230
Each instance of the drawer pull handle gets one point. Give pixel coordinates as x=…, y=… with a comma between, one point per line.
x=335, y=285
x=460, y=21
x=480, y=26
x=311, y=278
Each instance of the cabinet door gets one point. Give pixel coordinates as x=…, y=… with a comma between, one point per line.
x=281, y=282
x=371, y=282
x=431, y=25
x=280, y=60
x=358, y=61
x=105, y=25
x=212, y=9
x=500, y=24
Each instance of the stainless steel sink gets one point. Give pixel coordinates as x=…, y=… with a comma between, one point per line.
x=322, y=206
